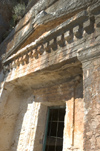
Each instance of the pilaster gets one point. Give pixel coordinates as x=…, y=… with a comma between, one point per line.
x=90, y=59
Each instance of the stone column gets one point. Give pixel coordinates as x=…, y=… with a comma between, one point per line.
x=90, y=59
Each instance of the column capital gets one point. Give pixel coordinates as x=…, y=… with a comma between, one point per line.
x=88, y=54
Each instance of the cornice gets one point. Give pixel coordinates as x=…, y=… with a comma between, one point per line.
x=35, y=20
x=56, y=33
x=73, y=27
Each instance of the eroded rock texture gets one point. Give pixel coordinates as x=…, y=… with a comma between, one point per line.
x=92, y=105
x=52, y=59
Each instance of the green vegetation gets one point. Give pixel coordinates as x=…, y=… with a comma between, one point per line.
x=18, y=12
x=17, y=9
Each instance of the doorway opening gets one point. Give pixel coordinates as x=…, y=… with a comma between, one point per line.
x=54, y=129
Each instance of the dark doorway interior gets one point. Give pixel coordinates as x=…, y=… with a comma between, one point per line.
x=54, y=140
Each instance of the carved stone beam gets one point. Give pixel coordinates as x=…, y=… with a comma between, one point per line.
x=60, y=40
x=34, y=53
x=20, y=59
x=25, y=58
x=30, y=54
x=46, y=47
x=88, y=26
x=53, y=44
x=17, y=62
x=68, y=35
x=77, y=31
x=40, y=49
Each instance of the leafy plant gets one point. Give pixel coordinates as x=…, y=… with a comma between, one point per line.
x=18, y=12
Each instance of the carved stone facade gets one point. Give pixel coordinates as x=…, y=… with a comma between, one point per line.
x=52, y=60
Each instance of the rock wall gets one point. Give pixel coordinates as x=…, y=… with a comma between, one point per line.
x=23, y=120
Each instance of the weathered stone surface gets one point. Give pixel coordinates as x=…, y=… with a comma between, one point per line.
x=91, y=66
x=55, y=62
x=92, y=105
x=26, y=23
